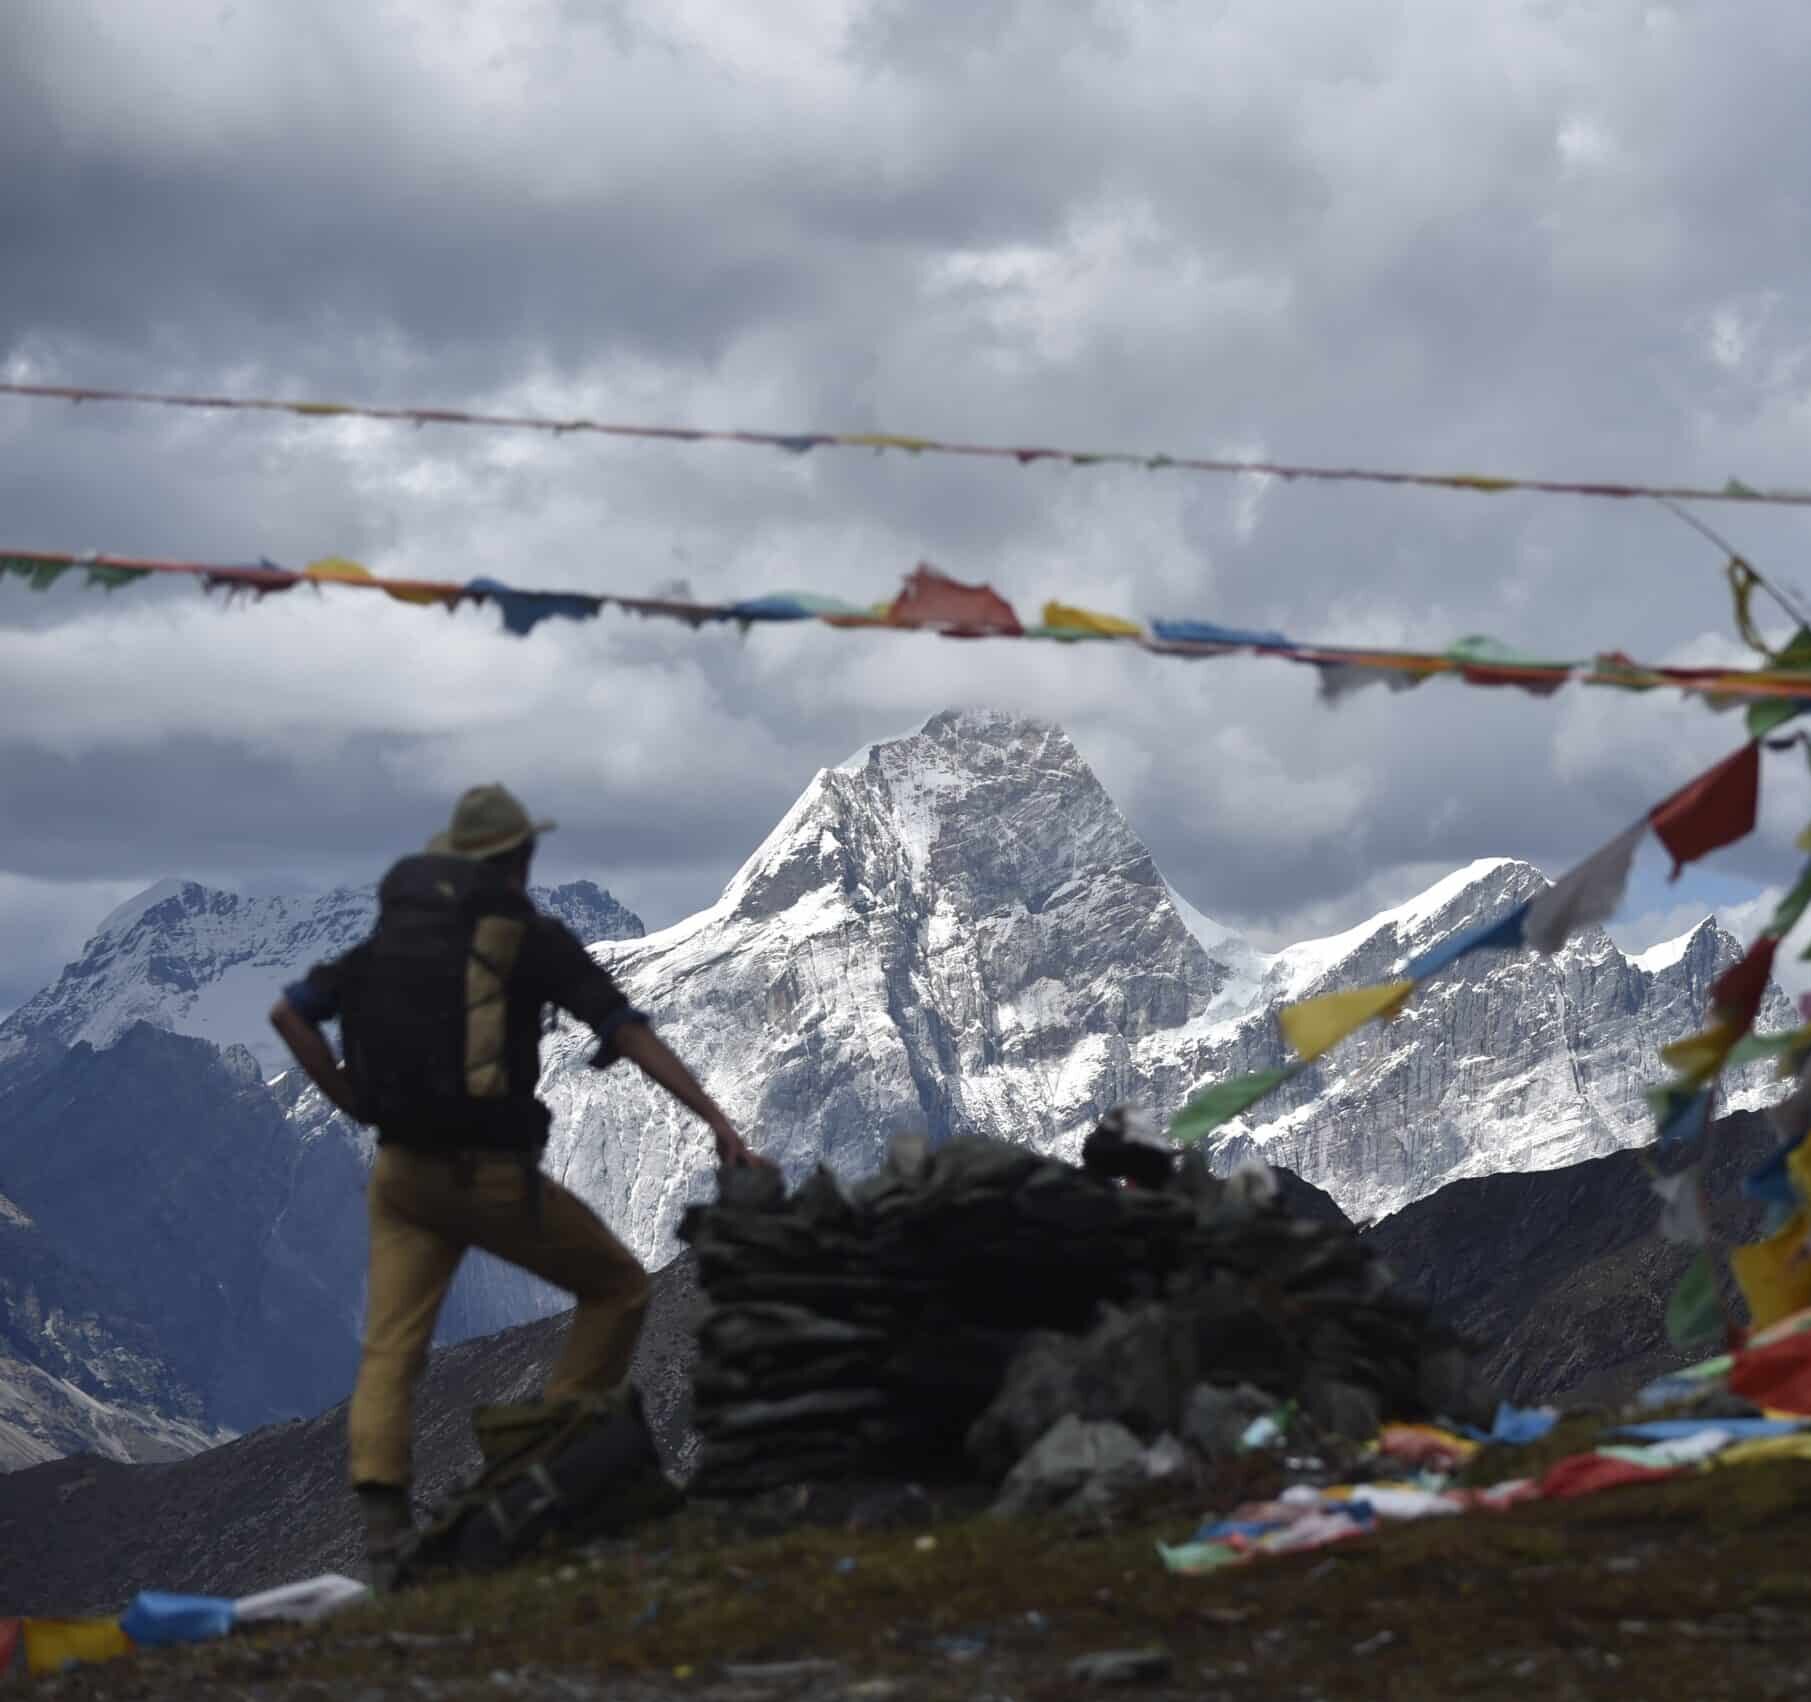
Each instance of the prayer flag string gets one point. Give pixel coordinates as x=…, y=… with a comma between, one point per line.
x=803, y=442
x=932, y=602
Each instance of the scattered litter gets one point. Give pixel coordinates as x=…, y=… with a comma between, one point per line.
x=1262, y=1432
x=312, y=1599
x=779, y=1672
x=1122, y=1666
x=1374, y=1645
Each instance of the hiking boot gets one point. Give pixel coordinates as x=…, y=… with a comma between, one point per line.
x=389, y=1526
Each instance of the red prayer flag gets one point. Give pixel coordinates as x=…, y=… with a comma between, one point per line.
x=931, y=599
x=1586, y=1474
x=9, y=1644
x=1738, y=991
x=1777, y=1375
x=1717, y=808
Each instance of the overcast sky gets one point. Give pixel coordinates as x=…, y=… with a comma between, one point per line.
x=1564, y=239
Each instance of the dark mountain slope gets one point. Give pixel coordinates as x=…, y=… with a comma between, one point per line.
x=1558, y=1274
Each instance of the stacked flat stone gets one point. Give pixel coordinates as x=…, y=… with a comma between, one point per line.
x=936, y=1318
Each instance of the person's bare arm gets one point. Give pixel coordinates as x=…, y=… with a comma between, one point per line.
x=637, y=1042
x=315, y=1056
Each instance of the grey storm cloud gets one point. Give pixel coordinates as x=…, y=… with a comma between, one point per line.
x=1553, y=239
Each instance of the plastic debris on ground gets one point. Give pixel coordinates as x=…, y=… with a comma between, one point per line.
x=156, y=1618
x=302, y=1603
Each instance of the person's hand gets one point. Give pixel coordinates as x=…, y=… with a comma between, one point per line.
x=731, y=1149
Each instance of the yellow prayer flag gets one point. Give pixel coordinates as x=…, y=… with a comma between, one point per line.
x=1798, y=1170
x=1774, y=1274
x=52, y=1644
x=1480, y=482
x=337, y=569
x=1803, y=842
x=1317, y=1024
x=1066, y=617
x=1699, y=1056
x=1764, y=1449
x=330, y=568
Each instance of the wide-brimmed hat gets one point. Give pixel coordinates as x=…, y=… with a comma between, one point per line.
x=487, y=821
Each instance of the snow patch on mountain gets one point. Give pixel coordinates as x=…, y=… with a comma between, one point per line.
x=1663, y=956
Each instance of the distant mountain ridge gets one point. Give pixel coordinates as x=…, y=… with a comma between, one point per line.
x=955, y=931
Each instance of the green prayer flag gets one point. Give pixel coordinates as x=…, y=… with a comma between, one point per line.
x=1695, y=1312
x=1769, y=713
x=40, y=575
x=1222, y=1102
x=112, y=578
x=1797, y=653
x=1751, y=1048
x=1490, y=652
x=1787, y=912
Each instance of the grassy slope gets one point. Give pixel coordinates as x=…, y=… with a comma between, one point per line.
x=1692, y=1589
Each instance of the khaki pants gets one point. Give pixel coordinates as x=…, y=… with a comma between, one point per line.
x=425, y=1212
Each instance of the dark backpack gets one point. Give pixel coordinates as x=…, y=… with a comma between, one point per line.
x=427, y=1020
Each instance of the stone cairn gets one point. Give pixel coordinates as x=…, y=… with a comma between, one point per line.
x=941, y=1318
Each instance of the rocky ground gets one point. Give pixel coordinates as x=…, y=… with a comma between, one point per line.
x=1690, y=1589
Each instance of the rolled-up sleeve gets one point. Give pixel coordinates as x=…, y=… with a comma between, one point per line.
x=577, y=983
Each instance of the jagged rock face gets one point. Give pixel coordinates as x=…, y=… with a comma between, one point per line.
x=199, y=961
x=958, y=931
x=76, y=1376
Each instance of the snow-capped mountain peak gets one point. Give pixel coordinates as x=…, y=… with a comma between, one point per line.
x=957, y=930
x=206, y=962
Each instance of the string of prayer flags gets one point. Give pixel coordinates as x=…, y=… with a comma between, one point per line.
x=932, y=602
x=803, y=442
x=1773, y=1273
x=1702, y=815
